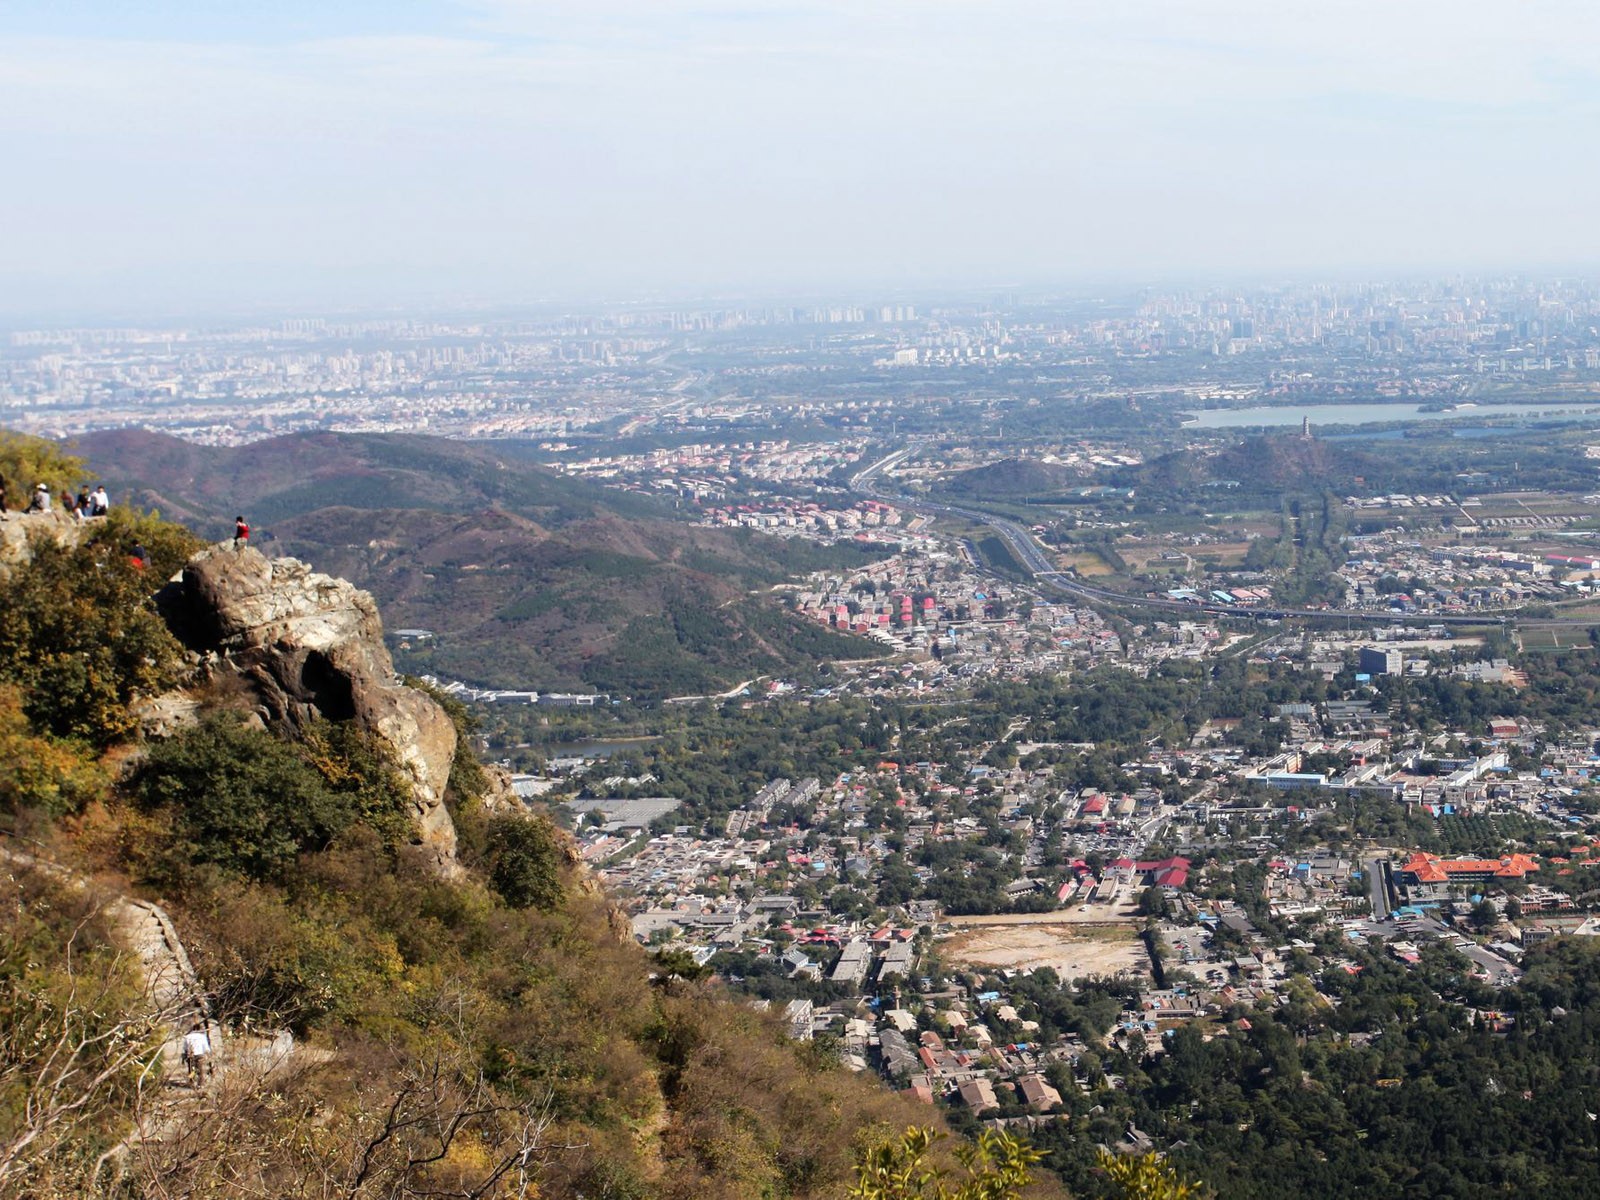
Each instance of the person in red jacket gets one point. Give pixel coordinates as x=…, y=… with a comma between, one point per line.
x=241, y=533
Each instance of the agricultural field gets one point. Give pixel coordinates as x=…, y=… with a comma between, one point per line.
x=1547, y=639
x=1147, y=557
x=1489, y=834
x=1223, y=554
x=1087, y=563
x=1586, y=609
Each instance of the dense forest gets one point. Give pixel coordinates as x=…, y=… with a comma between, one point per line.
x=1415, y=1080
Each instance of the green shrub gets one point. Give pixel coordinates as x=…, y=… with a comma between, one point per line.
x=525, y=861
x=39, y=773
x=362, y=769
x=167, y=546
x=998, y=1167
x=79, y=636
x=246, y=801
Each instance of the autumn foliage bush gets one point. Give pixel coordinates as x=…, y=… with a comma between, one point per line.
x=81, y=639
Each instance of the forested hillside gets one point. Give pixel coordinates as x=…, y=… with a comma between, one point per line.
x=528, y=579
x=204, y=486
x=1013, y=479
x=1268, y=466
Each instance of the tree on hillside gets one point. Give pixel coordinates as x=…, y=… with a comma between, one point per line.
x=524, y=861
x=79, y=636
x=997, y=1165
x=26, y=461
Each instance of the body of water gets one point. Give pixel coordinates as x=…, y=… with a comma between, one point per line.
x=1371, y=414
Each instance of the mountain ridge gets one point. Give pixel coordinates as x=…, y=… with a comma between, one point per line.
x=527, y=578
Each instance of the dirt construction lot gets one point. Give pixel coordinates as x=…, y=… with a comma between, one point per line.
x=1073, y=949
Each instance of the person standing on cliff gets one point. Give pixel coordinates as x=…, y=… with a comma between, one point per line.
x=241, y=533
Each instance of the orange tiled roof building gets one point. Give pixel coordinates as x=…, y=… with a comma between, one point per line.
x=1430, y=868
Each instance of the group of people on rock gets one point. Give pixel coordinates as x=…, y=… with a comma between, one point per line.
x=85, y=504
x=88, y=504
x=97, y=503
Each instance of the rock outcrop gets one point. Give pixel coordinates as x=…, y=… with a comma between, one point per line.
x=16, y=528
x=308, y=646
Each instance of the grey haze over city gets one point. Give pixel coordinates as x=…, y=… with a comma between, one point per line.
x=188, y=155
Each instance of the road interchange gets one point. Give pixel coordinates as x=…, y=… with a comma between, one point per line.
x=1033, y=560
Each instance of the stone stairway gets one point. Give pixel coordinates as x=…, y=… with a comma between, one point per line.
x=169, y=1100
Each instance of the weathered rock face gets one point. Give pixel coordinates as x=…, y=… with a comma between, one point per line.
x=309, y=645
x=16, y=528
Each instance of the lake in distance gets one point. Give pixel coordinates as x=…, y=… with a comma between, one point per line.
x=1371, y=414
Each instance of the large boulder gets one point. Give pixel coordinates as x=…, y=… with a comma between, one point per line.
x=309, y=646
x=16, y=530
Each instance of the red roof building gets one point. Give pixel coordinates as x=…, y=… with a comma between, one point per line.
x=1430, y=868
x=1162, y=872
x=1172, y=877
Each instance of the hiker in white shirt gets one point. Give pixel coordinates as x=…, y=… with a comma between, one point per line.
x=197, y=1053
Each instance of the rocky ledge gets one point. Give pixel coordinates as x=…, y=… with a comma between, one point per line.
x=307, y=646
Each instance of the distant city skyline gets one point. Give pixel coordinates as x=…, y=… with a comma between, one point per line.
x=1338, y=355
x=188, y=156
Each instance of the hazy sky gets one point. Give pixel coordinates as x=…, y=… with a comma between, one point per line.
x=347, y=150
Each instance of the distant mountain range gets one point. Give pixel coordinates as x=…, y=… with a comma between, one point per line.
x=205, y=486
x=528, y=578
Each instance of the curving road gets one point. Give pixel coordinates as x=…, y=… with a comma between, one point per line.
x=1028, y=552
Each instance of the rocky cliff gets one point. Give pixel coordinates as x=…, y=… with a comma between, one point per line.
x=16, y=528
x=307, y=646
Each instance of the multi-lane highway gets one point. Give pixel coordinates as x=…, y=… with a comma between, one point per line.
x=1033, y=559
